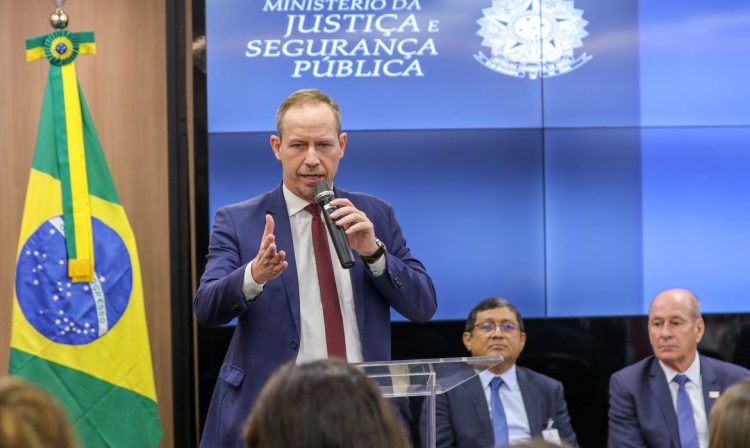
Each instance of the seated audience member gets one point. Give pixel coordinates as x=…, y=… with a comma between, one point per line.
x=663, y=400
x=326, y=403
x=506, y=404
x=31, y=418
x=729, y=421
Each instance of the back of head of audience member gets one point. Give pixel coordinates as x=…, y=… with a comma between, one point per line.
x=326, y=403
x=31, y=418
x=729, y=422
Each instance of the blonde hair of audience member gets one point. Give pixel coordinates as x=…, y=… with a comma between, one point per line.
x=31, y=418
x=729, y=422
x=326, y=403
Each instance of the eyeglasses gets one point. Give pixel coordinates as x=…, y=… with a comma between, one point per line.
x=489, y=328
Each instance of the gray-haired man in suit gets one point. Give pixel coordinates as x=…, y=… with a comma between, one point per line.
x=663, y=400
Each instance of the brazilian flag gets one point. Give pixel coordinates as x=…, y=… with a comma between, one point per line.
x=79, y=323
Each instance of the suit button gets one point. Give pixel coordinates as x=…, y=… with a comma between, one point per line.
x=293, y=344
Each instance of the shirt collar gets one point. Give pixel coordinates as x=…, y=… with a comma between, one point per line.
x=693, y=372
x=294, y=203
x=509, y=377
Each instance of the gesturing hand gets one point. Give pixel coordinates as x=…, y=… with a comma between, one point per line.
x=269, y=263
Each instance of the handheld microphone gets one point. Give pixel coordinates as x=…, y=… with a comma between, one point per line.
x=324, y=195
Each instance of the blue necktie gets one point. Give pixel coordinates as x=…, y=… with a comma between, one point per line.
x=688, y=433
x=499, y=424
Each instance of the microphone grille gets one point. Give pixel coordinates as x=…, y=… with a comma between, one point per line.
x=322, y=189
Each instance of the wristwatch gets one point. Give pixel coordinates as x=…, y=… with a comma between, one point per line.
x=370, y=259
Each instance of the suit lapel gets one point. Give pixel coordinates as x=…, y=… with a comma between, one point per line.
x=710, y=383
x=283, y=233
x=531, y=401
x=358, y=276
x=662, y=396
x=478, y=399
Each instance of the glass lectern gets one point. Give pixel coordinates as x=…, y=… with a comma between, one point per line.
x=426, y=378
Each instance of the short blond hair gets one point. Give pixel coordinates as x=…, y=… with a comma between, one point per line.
x=304, y=97
x=31, y=418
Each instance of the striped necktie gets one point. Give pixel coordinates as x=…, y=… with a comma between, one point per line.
x=685, y=420
x=499, y=423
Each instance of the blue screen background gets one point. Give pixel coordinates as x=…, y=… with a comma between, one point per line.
x=579, y=195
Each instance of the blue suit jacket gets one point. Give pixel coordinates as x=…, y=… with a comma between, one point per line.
x=268, y=328
x=462, y=417
x=641, y=412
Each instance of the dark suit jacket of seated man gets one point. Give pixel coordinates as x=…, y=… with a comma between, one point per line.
x=531, y=400
x=641, y=405
x=255, y=274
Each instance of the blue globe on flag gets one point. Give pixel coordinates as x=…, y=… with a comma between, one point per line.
x=67, y=312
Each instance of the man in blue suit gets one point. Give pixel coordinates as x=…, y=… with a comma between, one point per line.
x=265, y=268
x=663, y=400
x=528, y=404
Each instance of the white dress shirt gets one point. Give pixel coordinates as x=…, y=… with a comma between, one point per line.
x=510, y=395
x=313, y=338
x=694, y=389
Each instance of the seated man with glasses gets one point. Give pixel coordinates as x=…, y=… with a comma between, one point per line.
x=506, y=404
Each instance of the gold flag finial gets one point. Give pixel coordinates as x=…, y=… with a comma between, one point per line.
x=59, y=18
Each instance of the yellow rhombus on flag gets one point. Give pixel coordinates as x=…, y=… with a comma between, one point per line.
x=79, y=324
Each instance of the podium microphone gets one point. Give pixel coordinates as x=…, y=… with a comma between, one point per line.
x=324, y=195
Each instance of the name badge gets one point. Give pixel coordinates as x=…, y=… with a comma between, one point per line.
x=550, y=434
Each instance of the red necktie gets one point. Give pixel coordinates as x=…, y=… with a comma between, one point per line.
x=329, y=296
